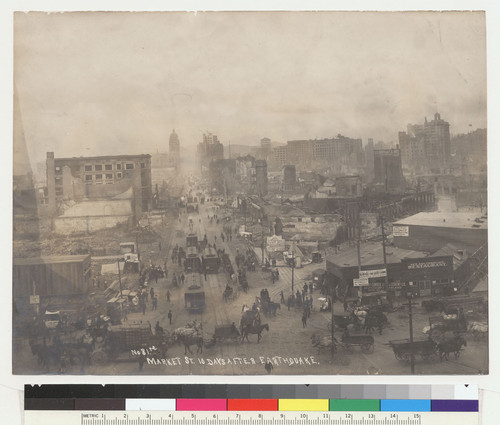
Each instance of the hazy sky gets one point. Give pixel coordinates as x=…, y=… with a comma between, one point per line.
x=108, y=83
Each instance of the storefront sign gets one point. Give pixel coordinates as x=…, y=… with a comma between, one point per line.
x=373, y=273
x=430, y=268
x=403, y=231
x=363, y=281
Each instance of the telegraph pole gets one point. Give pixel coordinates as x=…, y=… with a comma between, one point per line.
x=293, y=266
x=333, y=326
x=120, y=276
x=410, y=305
x=383, y=250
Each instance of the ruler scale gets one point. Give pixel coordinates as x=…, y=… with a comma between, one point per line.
x=34, y=417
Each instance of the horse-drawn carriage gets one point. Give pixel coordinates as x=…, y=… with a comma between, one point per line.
x=403, y=349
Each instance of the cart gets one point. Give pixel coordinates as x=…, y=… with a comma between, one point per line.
x=365, y=342
x=123, y=342
x=226, y=332
x=403, y=349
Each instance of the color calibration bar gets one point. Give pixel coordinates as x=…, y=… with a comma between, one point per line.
x=298, y=398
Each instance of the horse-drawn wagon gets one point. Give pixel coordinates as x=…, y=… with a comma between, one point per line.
x=123, y=343
x=365, y=342
x=403, y=349
x=226, y=332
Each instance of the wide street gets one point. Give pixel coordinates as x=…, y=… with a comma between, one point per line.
x=288, y=344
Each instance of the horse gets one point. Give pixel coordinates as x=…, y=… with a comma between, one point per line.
x=188, y=340
x=324, y=342
x=375, y=321
x=252, y=329
x=451, y=346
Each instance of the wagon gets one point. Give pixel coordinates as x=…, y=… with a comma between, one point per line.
x=223, y=332
x=124, y=342
x=403, y=349
x=365, y=342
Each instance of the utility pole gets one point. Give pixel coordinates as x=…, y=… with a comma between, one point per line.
x=120, y=276
x=333, y=327
x=383, y=250
x=293, y=266
x=410, y=305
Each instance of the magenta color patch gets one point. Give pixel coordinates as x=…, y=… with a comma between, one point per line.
x=202, y=404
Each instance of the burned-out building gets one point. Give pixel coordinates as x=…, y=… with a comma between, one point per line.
x=388, y=171
x=99, y=178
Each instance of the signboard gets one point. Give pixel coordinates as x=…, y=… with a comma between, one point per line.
x=428, y=268
x=34, y=299
x=373, y=273
x=363, y=281
x=403, y=231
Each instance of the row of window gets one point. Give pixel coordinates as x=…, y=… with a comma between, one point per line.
x=100, y=177
x=109, y=167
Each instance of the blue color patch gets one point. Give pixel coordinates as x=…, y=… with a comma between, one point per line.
x=405, y=405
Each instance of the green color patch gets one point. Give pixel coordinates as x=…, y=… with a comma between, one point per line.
x=355, y=405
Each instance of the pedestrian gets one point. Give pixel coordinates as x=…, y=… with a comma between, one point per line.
x=345, y=304
x=170, y=317
x=311, y=288
x=182, y=278
x=152, y=292
x=304, y=319
x=269, y=366
x=142, y=360
x=282, y=300
x=168, y=296
x=155, y=302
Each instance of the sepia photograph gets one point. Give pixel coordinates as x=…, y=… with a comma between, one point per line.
x=250, y=193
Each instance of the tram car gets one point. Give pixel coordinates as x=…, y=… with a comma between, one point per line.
x=211, y=260
x=192, y=263
x=192, y=240
x=194, y=297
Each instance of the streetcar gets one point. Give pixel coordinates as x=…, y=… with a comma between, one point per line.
x=211, y=260
x=194, y=297
x=192, y=263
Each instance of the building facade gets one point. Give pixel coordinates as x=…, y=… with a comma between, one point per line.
x=210, y=149
x=426, y=146
x=388, y=169
x=99, y=177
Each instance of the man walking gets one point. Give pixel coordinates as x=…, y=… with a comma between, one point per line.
x=182, y=278
x=304, y=319
x=155, y=302
x=170, y=317
x=168, y=296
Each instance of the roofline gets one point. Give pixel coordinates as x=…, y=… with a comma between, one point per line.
x=80, y=158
